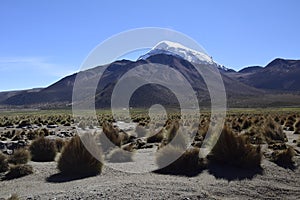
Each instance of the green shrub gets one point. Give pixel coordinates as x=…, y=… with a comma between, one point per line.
x=20, y=156
x=43, y=150
x=17, y=171
x=76, y=159
x=232, y=149
x=3, y=163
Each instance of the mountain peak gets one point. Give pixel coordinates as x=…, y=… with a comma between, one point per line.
x=179, y=50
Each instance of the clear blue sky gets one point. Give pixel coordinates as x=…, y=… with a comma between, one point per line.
x=42, y=41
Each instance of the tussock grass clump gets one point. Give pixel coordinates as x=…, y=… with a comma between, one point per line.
x=232, y=149
x=112, y=136
x=116, y=136
x=3, y=163
x=140, y=131
x=156, y=138
x=289, y=123
x=187, y=160
x=284, y=157
x=273, y=132
x=254, y=135
x=119, y=155
x=18, y=171
x=43, y=150
x=246, y=124
x=175, y=136
x=76, y=159
x=59, y=144
x=297, y=127
x=13, y=197
x=20, y=156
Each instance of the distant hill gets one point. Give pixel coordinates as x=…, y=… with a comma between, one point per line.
x=277, y=84
x=279, y=75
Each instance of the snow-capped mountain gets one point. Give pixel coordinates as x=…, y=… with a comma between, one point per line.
x=178, y=50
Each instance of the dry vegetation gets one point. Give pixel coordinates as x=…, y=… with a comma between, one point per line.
x=239, y=144
x=76, y=159
x=43, y=150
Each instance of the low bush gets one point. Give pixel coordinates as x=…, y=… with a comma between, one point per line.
x=171, y=159
x=20, y=156
x=59, y=144
x=140, y=131
x=297, y=127
x=119, y=155
x=156, y=138
x=18, y=171
x=116, y=136
x=284, y=157
x=13, y=197
x=273, y=132
x=76, y=159
x=3, y=163
x=233, y=149
x=43, y=150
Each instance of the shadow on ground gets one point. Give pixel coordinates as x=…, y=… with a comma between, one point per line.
x=290, y=165
x=231, y=173
x=60, y=178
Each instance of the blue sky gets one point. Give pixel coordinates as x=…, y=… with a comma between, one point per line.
x=42, y=41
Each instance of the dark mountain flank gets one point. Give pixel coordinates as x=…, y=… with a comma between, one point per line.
x=277, y=84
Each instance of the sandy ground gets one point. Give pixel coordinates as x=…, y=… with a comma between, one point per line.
x=218, y=182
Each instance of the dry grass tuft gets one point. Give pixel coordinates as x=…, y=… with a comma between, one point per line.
x=273, y=132
x=118, y=155
x=156, y=138
x=284, y=157
x=76, y=159
x=18, y=171
x=187, y=160
x=60, y=143
x=232, y=149
x=43, y=150
x=13, y=197
x=297, y=127
x=20, y=156
x=3, y=163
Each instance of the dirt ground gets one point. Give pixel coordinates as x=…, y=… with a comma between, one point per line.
x=216, y=182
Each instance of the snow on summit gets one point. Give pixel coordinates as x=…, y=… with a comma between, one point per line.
x=177, y=49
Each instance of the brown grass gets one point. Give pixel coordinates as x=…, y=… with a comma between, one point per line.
x=297, y=127
x=76, y=159
x=13, y=197
x=284, y=157
x=187, y=160
x=116, y=136
x=60, y=143
x=273, y=132
x=232, y=149
x=43, y=150
x=18, y=171
x=20, y=156
x=3, y=163
x=118, y=155
x=156, y=138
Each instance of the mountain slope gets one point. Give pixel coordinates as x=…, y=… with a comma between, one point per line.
x=279, y=75
x=276, y=84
